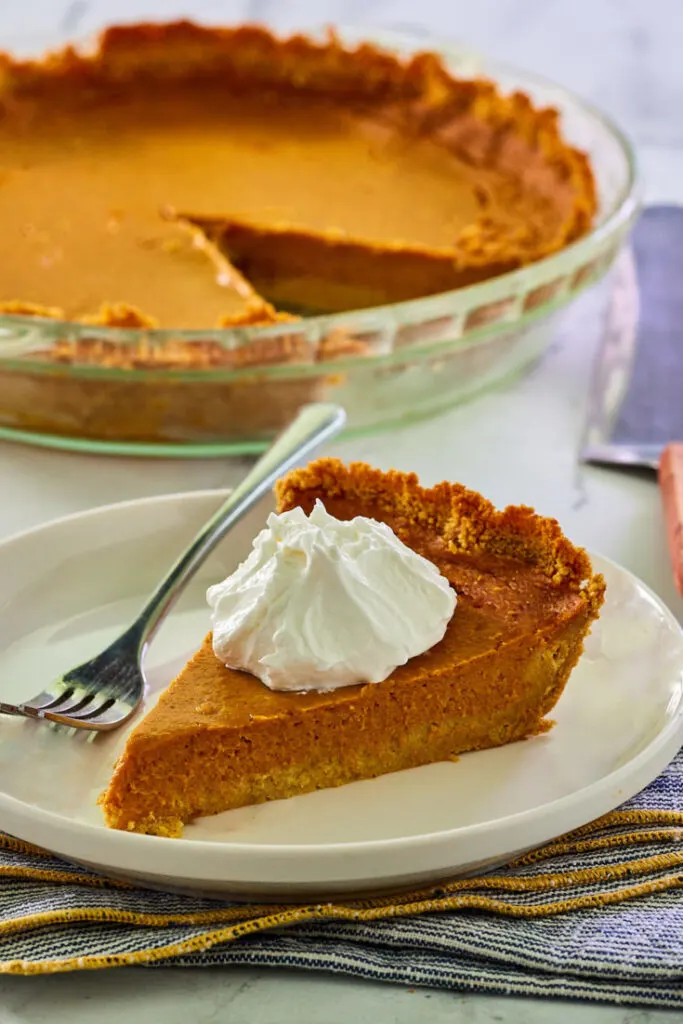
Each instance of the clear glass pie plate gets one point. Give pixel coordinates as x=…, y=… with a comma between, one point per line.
x=393, y=363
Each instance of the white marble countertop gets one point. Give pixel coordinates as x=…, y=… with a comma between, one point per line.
x=518, y=445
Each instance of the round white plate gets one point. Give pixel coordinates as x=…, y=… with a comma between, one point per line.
x=70, y=586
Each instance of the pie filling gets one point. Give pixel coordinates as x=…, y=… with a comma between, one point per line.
x=314, y=178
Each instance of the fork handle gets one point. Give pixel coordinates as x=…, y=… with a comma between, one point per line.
x=671, y=483
x=314, y=425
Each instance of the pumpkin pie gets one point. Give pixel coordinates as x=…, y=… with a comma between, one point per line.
x=175, y=176
x=330, y=177
x=219, y=739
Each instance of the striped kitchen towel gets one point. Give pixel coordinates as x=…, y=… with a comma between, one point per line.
x=597, y=914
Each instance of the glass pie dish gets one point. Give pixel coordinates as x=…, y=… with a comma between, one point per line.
x=386, y=365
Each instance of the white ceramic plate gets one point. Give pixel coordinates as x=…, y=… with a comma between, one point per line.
x=69, y=587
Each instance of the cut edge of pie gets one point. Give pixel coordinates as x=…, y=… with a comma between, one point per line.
x=332, y=271
x=219, y=739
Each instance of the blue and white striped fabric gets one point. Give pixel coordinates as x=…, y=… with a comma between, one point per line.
x=628, y=952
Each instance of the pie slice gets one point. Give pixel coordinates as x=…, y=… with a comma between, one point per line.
x=220, y=739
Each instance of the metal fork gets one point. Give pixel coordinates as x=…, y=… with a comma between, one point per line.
x=103, y=693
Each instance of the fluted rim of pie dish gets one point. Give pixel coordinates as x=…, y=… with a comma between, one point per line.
x=393, y=316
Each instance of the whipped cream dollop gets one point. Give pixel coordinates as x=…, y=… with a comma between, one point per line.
x=320, y=603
